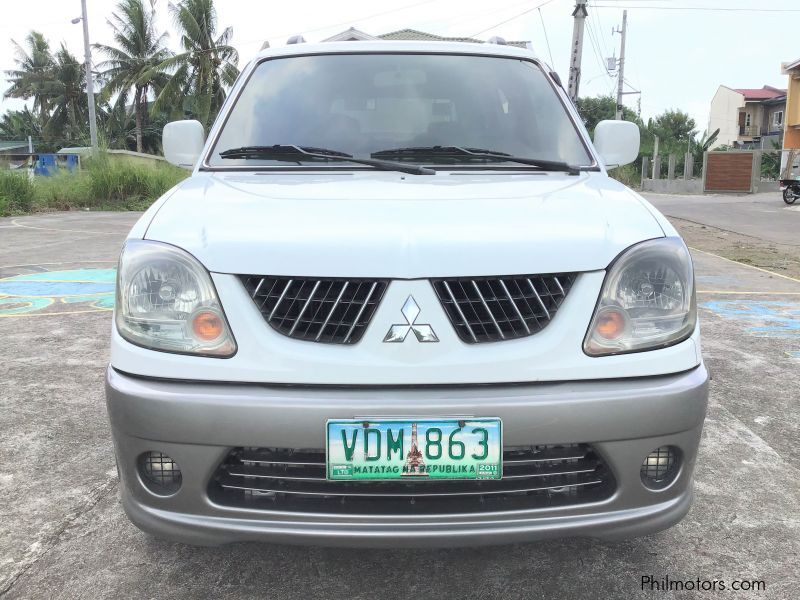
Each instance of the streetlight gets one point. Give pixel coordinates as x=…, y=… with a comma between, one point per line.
x=89, y=75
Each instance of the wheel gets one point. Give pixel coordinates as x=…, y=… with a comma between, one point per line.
x=791, y=193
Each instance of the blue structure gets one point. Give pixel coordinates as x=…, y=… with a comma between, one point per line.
x=48, y=165
x=45, y=165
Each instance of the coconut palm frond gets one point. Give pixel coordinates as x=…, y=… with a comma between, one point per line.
x=207, y=67
x=133, y=64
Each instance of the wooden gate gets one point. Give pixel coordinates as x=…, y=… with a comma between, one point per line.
x=731, y=171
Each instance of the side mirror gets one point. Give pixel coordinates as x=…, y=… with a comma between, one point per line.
x=183, y=142
x=617, y=142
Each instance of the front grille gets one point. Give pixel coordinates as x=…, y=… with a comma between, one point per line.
x=491, y=309
x=333, y=311
x=294, y=480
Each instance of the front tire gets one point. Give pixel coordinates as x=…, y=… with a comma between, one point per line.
x=791, y=193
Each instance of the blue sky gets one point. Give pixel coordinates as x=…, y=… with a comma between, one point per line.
x=677, y=58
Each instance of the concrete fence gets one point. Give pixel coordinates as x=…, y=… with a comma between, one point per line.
x=730, y=171
x=675, y=182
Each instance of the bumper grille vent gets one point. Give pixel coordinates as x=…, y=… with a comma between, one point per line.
x=333, y=311
x=490, y=309
x=294, y=480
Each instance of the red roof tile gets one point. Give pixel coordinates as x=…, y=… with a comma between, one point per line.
x=765, y=93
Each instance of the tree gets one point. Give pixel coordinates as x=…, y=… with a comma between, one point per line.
x=69, y=120
x=118, y=126
x=33, y=76
x=55, y=82
x=135, y=64
x=673, y=126
x=697, y=148
x=703, y=145
x=771, y=162
x=706, y=141
x=206, y=68
x=600, y=108
x=19, y=124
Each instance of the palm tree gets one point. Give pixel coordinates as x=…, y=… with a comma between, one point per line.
x=206, y=68
x=135, y=64
x=118, y=126
x=19, y=124
x=32, y=77
x=66, y=98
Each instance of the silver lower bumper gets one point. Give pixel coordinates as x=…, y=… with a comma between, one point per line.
x=198, y=423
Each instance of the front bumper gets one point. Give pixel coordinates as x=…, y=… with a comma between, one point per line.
x=197, y=424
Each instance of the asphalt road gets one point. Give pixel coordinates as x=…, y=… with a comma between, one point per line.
x=63, y=533
x=765, y=216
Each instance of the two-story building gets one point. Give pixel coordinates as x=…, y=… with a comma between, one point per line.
x=791, y=121
x=748, y=117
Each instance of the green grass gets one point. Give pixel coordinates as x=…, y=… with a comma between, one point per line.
x=16, y=192
x=104, y=183
x=627, y=175
x=65, y=191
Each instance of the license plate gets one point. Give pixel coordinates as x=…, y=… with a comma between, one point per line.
x=414, y=449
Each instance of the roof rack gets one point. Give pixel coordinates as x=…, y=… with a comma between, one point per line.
x=296, y=39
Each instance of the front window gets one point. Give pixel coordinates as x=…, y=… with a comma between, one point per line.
x=362, y=104
x=777, y=118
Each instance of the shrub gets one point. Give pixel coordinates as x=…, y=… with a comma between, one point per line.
x=64, y=191
x=628, y=175
x=119, y=184
x=104, y=183
x=16, y=193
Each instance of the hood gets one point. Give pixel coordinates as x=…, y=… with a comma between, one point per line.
x=386, y=224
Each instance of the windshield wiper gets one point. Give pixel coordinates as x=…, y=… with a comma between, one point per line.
x=292, y=152
x=415, y=151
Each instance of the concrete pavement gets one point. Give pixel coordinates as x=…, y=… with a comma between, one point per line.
x=63, y=533
x=764, y=216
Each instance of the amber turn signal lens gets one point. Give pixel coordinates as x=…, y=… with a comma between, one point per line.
x=207, y=326
x=610, y=324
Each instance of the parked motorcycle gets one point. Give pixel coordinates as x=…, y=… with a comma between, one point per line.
x=791, y=190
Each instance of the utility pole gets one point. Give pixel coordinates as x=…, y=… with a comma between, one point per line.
x=579, y=15
x=89, y=77
x=621, y=72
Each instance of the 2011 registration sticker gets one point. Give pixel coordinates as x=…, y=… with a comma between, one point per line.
x=416, y=449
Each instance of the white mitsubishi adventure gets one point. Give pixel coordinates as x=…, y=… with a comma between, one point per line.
x=400, y=302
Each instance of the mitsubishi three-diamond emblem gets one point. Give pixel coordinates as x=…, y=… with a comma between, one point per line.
x=398, y=333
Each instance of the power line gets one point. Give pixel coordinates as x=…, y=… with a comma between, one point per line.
x=544, y=29
x=595, y=46
x=596, y=51
x=517, y=16
x=599, y=25
x=494, y=10
x=705, y=8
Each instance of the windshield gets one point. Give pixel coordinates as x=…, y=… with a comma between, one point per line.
x=362, y=104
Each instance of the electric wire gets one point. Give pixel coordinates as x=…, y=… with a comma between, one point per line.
x=705, y=8
x=546, y=39
x=517, y=16
x=596, y=52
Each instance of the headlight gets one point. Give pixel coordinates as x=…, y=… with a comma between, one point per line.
x=647, y=301
x=166, y=301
